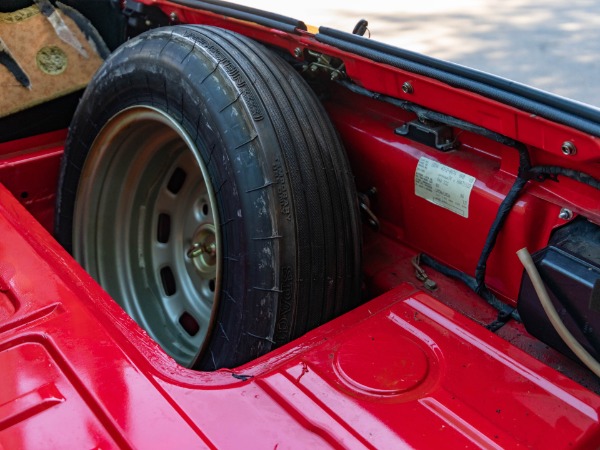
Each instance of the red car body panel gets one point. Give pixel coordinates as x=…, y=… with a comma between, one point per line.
x=404, y=370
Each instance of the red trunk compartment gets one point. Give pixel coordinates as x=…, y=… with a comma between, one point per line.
x=403, y=370
x=409, y=368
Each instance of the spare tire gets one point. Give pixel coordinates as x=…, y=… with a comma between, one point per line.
x=204, y=187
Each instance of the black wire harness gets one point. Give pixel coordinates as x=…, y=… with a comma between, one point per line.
x=526, y=173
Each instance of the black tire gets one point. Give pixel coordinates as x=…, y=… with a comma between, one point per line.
x=288, y=227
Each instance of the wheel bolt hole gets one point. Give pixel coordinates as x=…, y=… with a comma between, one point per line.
x=189, y=324
x=164, y=228
x=211, y=285
x=176, y=181
x=168, y=281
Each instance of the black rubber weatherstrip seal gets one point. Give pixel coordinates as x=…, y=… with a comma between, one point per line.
x=573, y=114
x=246, y=13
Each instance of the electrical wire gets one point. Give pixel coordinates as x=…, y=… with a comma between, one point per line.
x=525, y=173
x=550, y=310
x=554, y=171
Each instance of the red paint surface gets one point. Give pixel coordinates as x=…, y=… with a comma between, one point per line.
x=388, y=162
x=403, y=370
x=29, y=169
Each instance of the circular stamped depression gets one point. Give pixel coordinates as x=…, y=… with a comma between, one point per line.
x=377, y=364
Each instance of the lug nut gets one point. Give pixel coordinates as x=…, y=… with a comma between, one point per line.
x=198, y=249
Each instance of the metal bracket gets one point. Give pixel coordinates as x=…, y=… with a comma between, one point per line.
x=433, y=134
x=364, y=203
x=326, y=63
x=421, y=275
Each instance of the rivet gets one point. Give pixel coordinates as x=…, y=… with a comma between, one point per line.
x=297, y=52
x=407, y=88
x=565, y=214
x=568, y=148
x=173, y=17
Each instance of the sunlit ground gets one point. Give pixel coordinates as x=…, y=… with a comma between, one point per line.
x=553, y=45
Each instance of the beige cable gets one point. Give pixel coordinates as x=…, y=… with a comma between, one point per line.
x=552, y=314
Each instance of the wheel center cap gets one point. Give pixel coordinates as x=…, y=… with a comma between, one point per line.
x=203, y=249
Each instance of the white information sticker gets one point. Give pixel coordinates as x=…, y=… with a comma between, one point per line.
x=444, y=186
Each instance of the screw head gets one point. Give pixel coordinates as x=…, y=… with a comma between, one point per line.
x=173, y=17
x=568, y=148
x=407, y=88
x=297, y=52
x=565, y=214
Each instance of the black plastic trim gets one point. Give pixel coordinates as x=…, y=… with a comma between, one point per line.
x=247, y=13
x=580, y=116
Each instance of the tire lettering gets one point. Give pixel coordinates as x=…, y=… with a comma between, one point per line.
x=282, y=192
x=253, y=104
x=282, y=329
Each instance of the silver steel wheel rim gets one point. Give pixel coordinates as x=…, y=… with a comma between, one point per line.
x=145, y=227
